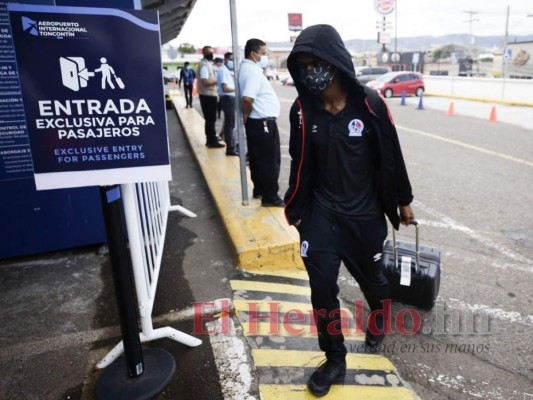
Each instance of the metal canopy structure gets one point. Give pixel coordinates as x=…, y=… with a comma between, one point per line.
x=172, y=15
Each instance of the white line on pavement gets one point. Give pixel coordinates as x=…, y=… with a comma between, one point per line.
x=473, y=234
x=460, y=384
x=509, y=316
x=468, y=146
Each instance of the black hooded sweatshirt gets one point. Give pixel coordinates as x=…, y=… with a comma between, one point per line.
x=394, y=188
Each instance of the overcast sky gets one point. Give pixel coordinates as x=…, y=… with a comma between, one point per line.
x=209, y=22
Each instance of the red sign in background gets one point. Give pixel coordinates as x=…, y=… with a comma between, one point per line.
x=295, y=22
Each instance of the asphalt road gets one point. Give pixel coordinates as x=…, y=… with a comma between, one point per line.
x=472, y=181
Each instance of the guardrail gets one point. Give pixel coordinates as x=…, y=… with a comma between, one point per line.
x=510, y=91
x=146, y=208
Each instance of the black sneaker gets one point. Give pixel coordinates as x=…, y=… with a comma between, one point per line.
x=273, y=203
x=215, y=145
x=327, y=374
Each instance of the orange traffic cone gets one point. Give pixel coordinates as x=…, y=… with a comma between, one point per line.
x=194, y=89
x=492, y=117
x=451, y=109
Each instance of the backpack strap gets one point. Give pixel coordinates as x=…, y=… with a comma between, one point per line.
x=373, y=101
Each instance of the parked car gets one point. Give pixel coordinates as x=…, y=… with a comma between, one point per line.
x=367, y=74
x=394, y=83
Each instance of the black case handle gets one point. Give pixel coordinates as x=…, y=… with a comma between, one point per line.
x=417, y=246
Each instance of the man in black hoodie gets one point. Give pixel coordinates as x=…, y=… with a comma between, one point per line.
x=347, y=173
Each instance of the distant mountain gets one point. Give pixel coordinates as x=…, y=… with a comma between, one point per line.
x=425, y=43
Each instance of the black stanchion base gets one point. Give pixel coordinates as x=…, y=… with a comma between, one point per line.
x=115, y=384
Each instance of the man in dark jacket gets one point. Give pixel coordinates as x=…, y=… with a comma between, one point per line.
x=347, y=173
x=187, y=75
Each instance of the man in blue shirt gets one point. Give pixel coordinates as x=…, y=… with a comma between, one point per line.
x=260, y=109
x=187, y=75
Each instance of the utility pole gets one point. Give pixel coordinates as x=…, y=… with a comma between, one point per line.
x=505, y=45
x=470, y=20
x=396, y=28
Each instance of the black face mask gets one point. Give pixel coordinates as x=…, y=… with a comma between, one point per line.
x=209, y=57
x=316, y=79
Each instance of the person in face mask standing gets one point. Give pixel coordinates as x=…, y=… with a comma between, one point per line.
x=207, y=89
x=261, y=107
x=226, y=89
x=347, y=173
x=187, y=75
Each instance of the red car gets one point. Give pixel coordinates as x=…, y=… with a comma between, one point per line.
x=393, y=83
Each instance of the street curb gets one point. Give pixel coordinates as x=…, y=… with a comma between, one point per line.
x=482, y=100
x=261, y=236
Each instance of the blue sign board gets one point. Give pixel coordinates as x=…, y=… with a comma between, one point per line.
x=15, y=153
x=92, y=89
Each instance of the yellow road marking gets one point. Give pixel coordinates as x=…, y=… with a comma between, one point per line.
x=297, y=358
x=468, y=146
x=347, y=392
x=289, y=329
x=271, y=306
x=279, y=306
x=284, y=272
x=270, y=287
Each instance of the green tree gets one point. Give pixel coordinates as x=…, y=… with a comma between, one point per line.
x=447, y=50
x=186, y=48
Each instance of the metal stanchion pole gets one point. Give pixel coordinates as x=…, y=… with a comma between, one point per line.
x=238, y=103
x=127, y=378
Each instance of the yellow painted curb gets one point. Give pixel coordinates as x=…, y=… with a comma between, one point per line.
x=261, y=235
x=279, y=306
x=481, y=99
x=311, y=359
x=289, y=328
x=270, y=287
x=286, y=273
x=337, y=392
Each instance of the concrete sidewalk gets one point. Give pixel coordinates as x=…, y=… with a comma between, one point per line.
x=260, y=235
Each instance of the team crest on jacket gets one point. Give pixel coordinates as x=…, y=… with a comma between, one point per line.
x=304, y=248
x=355, y=127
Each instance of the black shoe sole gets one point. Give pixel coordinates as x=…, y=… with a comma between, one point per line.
x=276, y=204
x=319, y=391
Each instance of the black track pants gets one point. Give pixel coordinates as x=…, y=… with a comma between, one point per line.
x=265, y=156
x=209, y=109
x=188, y=94
x=326, y=240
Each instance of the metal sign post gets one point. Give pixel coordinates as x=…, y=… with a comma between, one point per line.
x=238, y=104
x=146, y=376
